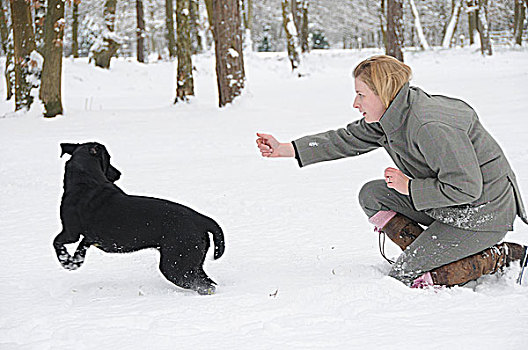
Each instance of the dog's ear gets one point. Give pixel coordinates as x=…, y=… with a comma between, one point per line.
x=112, y=174
x=68, y=148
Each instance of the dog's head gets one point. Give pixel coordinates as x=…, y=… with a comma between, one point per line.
x=92, y=151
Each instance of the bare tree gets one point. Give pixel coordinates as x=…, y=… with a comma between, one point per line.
x=472, y=11
x=184, y=80
x=383, y=22
x=40, y=16
x=300, y=18
x=24, y=45
x=194, y=23
x=247, y=13
x=418, y=26
x=4, y=31
x=50, y=90
x=107, y=46
x=227, y=33
x=210, y=13
x=75, y=28
x=247, y=22
x=292, y=37
x=483, y=28
x=169, y=22
x=519, y=16
x=140, y=32
x=394, y=42
x=453, y=21
x=305, y=47
x=7, y=46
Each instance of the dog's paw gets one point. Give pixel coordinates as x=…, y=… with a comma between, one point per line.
x=71, y=266
x=210, y=290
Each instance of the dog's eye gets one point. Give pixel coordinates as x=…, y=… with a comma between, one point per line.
x=93, y=150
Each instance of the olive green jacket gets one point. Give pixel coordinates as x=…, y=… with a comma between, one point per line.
x=459, y=174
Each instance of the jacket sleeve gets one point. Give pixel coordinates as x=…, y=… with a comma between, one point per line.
x=449, y=153
x=357, y=138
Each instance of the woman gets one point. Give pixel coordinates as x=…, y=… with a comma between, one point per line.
x=451, y=176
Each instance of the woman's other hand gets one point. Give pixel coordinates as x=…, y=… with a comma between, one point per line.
x=397, y=180
x=270, y=147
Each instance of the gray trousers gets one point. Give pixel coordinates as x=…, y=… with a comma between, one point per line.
x=438, y=245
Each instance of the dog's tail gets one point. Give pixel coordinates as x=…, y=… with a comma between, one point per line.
x=218, y=236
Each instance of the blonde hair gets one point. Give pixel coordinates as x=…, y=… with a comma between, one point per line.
x=384, y=75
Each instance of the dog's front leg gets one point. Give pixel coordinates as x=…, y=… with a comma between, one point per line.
x=65, y=259
x=80, y=253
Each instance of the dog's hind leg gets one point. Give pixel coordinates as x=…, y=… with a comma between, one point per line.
x=65, y=259
x=185, y=270
x=203, y=276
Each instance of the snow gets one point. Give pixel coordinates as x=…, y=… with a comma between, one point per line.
x=232, y=52
x=302, y=268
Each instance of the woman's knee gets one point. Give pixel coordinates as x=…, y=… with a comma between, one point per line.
x=370, y=195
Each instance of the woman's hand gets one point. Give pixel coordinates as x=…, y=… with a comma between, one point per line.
x=397, y=180
x=270, y=147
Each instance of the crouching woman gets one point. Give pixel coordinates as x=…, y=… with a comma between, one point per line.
x=451, y=177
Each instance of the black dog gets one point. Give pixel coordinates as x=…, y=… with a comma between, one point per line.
x=109, y=219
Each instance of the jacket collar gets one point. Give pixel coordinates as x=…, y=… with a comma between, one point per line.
x=395, y=116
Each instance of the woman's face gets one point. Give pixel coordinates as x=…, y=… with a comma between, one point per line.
x=368, y=103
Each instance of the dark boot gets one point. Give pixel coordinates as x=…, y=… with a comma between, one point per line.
x=402, y=230
x=472, y=267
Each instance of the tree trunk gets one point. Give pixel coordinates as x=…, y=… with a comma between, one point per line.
x=140, y=47
x=296, y=8
x=247, y=22
x=169, y=22
x=228, y=49
x=40, y=18
x=300, y=18
x=395, y=29
x=520, y=14
x=418, y=26
x=211, y=21
x=291, y=35
x=383, y=23
x=451, y=27
x=247, y=14
x=304, y=27
x=194, y=23
x=210, y=15
x=472, y=10
x=108, y=46
x=50, y=91
x=4, y=31
x=7, y=47
x=109, y=14
x=184, y=80
x=483, y=28
x=75, y=29
x=24, y=45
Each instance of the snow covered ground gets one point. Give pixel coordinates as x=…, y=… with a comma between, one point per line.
x=302, y=268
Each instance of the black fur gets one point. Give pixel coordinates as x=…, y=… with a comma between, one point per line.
x=115, y=222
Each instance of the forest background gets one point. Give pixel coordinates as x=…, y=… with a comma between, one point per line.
x=36, y=34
